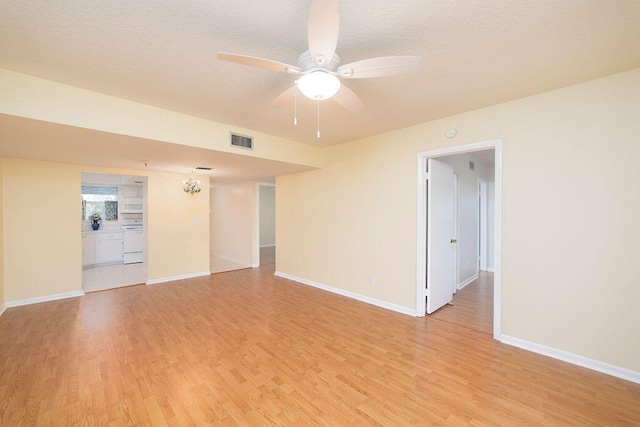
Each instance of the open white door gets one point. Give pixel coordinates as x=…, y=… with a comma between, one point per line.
x=441, y=254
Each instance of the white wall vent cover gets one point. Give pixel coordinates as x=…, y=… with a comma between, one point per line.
x=241, y=141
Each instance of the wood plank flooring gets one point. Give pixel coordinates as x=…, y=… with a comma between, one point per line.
x=472, y=306
x=249, y=348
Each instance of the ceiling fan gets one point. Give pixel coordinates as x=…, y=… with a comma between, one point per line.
x=319, y=67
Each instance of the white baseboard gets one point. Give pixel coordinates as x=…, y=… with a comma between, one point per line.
x=255, y=265
x=596, y=365
x=2, y=309
x=466, y=282
x=180, y=277
x=268, y=246
x=490, y=269
x=46, y=298
x=348, y=294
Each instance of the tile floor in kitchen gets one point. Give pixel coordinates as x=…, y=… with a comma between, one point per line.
x=113, y=276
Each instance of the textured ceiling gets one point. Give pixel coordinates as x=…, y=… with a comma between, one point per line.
x=163, y=53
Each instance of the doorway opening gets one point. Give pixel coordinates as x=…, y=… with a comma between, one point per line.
x=267, y=224
x=469, y=261
x=484, y=211
x=114, y=231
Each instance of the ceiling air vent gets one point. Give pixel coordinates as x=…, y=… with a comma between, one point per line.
x=241, y=141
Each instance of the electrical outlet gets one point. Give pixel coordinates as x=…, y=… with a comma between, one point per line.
x=372, y=279
x=297, y=263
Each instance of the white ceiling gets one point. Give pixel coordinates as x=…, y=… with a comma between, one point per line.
x=163, y=53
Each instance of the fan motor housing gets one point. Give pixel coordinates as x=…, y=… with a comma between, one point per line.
x=307, y=63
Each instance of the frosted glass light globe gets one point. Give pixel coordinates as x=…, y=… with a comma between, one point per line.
x=318, y=85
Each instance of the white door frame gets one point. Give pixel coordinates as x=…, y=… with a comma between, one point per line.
x=421, y=261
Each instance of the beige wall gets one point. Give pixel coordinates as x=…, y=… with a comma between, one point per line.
x=42, y=238
x=31, y=97
x=234, y=234
x=42, y=233
x=2, y=299
x=178, y=227
x=570, y=201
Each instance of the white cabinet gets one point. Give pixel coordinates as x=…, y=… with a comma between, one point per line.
x=131, y=199
x=109, y=248
x=88, y=248
x=131, y=191
x=131, y=205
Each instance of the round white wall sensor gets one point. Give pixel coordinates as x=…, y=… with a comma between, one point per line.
x=451, y=132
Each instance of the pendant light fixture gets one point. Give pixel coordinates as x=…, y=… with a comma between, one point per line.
x=191, y=185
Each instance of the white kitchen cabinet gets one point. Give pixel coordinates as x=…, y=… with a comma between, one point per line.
x=131, y=205
x=88, y=248
x=109, y=248
x=131, y=191
x=131, y=199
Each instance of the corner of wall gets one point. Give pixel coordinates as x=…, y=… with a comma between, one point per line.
x=2, y=302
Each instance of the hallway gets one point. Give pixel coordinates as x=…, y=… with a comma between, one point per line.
x=473, y=306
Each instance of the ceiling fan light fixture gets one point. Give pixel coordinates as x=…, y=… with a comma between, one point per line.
x=319, y=85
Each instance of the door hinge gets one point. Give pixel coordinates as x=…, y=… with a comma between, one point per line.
x=427, y=176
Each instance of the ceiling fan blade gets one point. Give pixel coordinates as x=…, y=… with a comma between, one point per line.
x=324, y=27
x=379, y=67
x=266, y=64
x=348, y=99
x=285, y=97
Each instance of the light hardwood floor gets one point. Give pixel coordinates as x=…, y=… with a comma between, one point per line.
x=472, y=306
x=249, y=348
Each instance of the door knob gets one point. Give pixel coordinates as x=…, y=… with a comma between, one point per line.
x=454, y=240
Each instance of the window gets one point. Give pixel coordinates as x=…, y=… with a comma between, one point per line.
x=100, y=199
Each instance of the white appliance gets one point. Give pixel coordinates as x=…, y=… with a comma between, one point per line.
x=131, y=199
x=131, y=205
x=133, y=240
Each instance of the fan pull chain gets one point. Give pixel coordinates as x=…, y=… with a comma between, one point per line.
x=295, y=105
x=318, y=134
